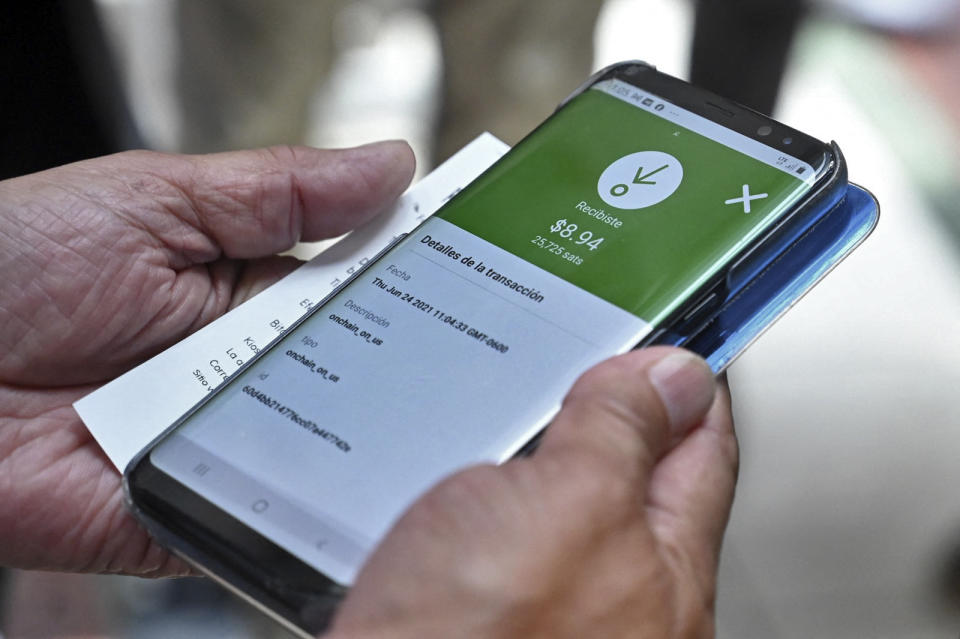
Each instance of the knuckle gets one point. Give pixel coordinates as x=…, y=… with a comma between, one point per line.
x=459, y=497
x=610, y=375
x=284, y=154
x=618, y=388
x=469, y=482
x=587, y=483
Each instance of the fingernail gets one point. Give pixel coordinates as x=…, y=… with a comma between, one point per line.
x=686, y=387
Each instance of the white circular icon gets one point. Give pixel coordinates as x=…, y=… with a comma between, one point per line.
x=639, y=180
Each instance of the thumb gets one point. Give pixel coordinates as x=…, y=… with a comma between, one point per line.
x=627, y=412
x=260, y=202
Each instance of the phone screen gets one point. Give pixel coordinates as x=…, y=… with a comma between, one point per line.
x=458, y=346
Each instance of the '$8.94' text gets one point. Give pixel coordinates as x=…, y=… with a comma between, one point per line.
x=568, y=232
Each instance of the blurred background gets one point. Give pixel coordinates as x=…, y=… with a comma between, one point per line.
x=847, y=518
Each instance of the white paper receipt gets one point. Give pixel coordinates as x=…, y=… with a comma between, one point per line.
x=128, y=413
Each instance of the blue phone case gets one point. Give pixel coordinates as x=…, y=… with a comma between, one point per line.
x=781, y=283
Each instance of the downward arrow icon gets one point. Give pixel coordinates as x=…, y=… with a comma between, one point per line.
x=644, y=179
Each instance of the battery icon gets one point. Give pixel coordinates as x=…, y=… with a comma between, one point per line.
x=801, y=170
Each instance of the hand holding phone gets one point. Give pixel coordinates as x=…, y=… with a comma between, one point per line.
x=107, y=261
x=612, y=529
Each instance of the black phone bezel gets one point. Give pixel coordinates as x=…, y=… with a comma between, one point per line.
x=723, y=111
x=291, y=591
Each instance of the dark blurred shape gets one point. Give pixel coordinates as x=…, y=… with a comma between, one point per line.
x=62, y=96
x=741, y=47
x=507, y=64
x=948, y=580
x=248, y=69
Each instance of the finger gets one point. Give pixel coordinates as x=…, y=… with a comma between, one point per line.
x=622, y=414
x=260, y=202
x=691, y=492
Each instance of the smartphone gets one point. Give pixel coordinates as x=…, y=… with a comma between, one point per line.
x=625, y=219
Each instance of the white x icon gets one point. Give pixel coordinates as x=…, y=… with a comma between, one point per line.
x=746, y=199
